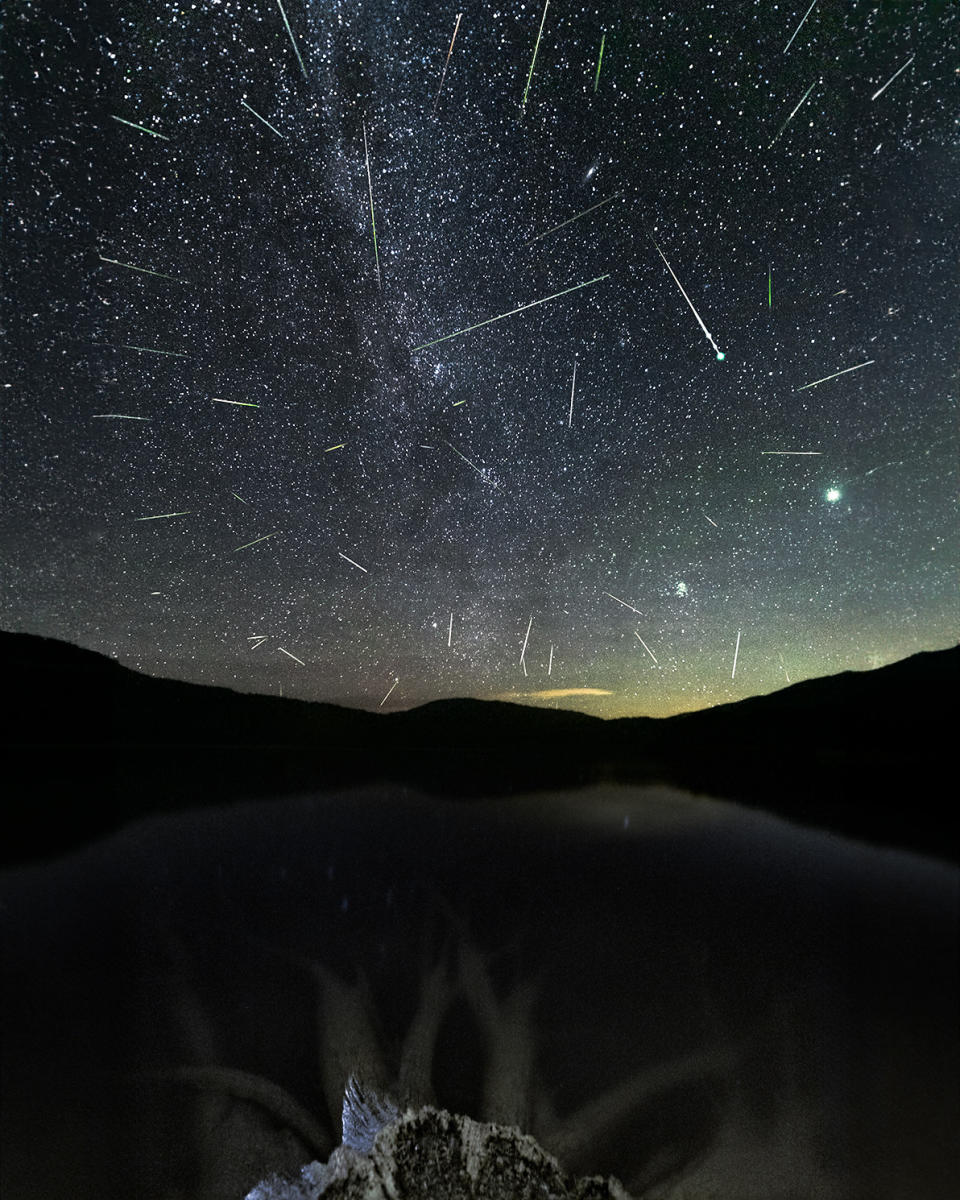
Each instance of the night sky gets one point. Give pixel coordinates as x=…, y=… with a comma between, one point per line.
x=229, y=318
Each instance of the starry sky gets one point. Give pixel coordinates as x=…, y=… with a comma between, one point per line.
x=238, y=241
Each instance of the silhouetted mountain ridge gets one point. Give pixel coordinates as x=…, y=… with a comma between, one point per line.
x=95, y=744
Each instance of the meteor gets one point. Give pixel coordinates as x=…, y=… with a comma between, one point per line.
x=142, y=128
x=892, y=78
x=480, y=472
x=130, y=267
x=148, y=350
x=373, y=221
x=263, y=119
x=572, y=390
x=522, y=308
x=596, y=79
x=817, y=452
x=795, y=111
x=289, y=655
x=163, y=516
x=646, y=647
x=390, y=693
x=800, y=26
x=554, y=228
x=525, y=639
x=255, y=541
x=733, y=673
x=354, y=564
x=241, y=403
x=443, y=73
x=117, y=417
x=720, y=354
x=624, y=603
x=292, y=42
x=835, y=374
x=535, y=49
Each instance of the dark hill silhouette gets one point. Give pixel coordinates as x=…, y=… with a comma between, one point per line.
x=90, y=745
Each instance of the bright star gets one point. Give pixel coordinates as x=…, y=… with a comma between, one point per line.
x=832, y=495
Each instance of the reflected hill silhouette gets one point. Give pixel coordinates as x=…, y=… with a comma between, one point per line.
x=92, y=745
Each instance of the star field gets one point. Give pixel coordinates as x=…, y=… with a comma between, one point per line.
x=233, y=230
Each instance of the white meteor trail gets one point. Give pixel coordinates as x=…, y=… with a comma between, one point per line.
x=720, y=355
x=263, y=119
x=624, y=603
x=569, y=220
x=481, y=473
x=573, y=387
x=550, y=661
x=835, y=374
x=289, y=655
x=117, y=417
x=292, y=42
x=443, y=73
x=795, y=111
x=524, y=650
x=143, y=270
x=373, y=219
x=354, y=564
x=645, y=646
x=893, y=77
x=712, y=521
x=793, y=452
x=239, y=403
x=390, y=693
x=800, y=26
x=450, y=632
x=733, y=673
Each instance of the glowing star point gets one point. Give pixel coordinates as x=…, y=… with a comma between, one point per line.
x=832, y=495
x=535, y=49
x=292, y=40
x=720, y=355
x=521, y=308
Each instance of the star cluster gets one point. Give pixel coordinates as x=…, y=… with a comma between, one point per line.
x=239, y=236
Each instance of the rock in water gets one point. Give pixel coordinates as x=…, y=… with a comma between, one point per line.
x=431, y=1154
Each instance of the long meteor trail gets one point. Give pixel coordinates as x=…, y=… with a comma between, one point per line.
x=535, y=49
x=142, y=128
x=292, y=42
x=373, y=220
x=800, y=26
x=522, y=308
x=554, y=228
x=130, y=267
x=720, y=354
x=835, y=374
x=893, y=77
x=263, y=119
x=443, y=73
x=795, y=111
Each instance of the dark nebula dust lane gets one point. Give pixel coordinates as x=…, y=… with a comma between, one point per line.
x=694, y=437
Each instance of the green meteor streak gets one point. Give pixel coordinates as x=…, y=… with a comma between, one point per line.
x=373, y=221
x=490, y=320
x=130, y=267
x=535, y=49
x=292, y=42
x=148, y=350
x=599, y=61
x=163, y=516
x=770, y=288
x=255, y=540
x=142, y=128
x=554, y=229
x=259, y=118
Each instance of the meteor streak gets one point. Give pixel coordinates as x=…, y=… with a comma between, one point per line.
x=240, y=498
x=573, y=386
x=130, y=267
x=373, y=221
x=340, y=446
x=596, y=79
x=263, y=119
x=893, y=77
x=450, y=632
x=142, y=128
x=624, y=603
x=478, y=470
x=443, y=73
x=354, y=564
x=770, y=287
x=712, y=522
x=535, y=49
x=292, y=42
x=645, y=646
x=795, y=111
x=795, y=452
x=835, y=374
x=800, y=26
x=733, y=673
x=720, y=354
x=522, y=308
x=148, y=350
x=289, y=655
x=163, y=516
x=241, y=403
x=255, y=541
x=525, y=638
x=390, y=693
x=554, y=228
x=550, y=661
x=117, y=417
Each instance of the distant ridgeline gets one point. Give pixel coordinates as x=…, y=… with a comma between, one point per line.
x=91, y=745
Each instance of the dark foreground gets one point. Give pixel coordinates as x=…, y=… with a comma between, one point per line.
x=695, y=998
